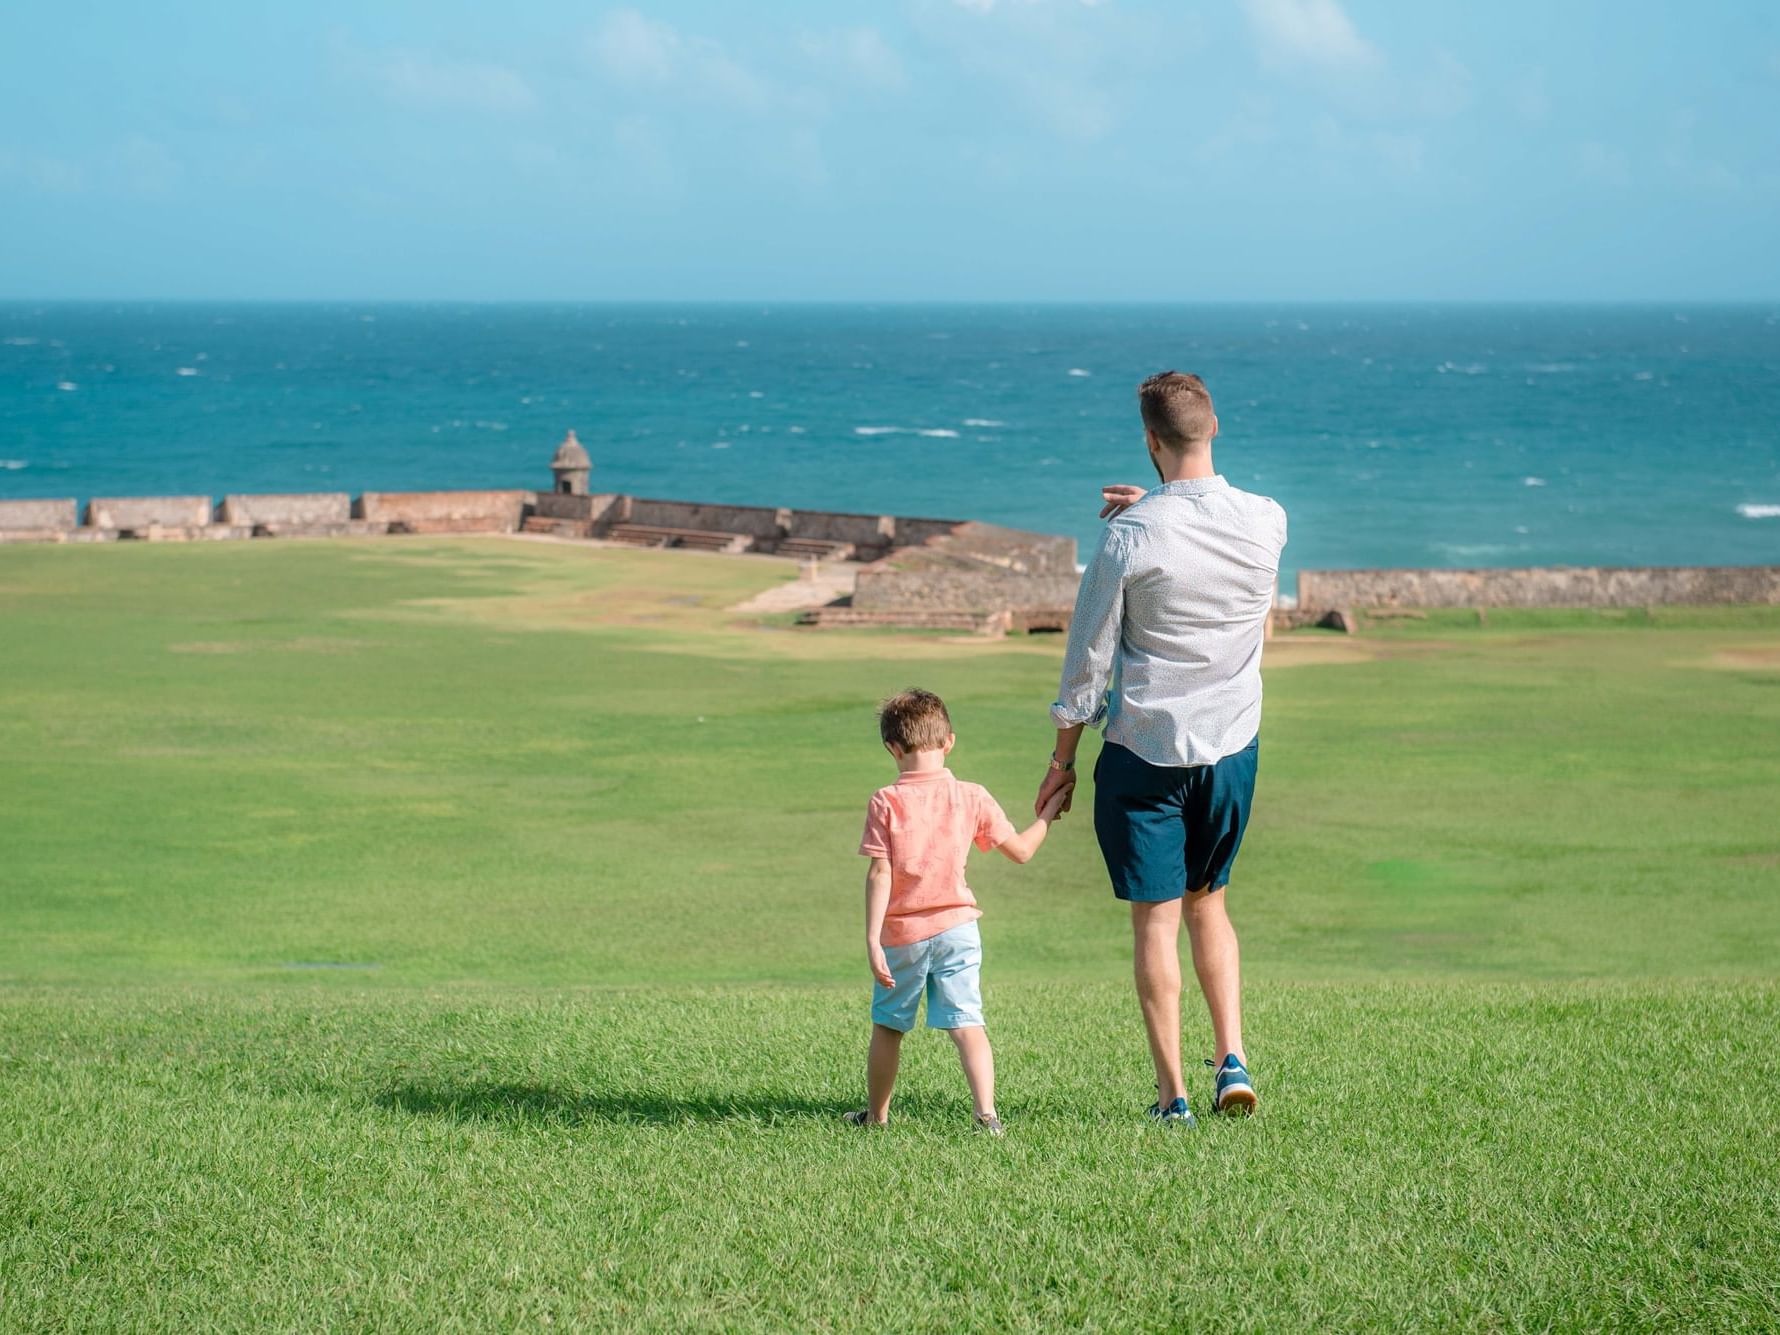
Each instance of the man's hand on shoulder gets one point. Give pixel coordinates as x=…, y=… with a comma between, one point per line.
x=1119, y=498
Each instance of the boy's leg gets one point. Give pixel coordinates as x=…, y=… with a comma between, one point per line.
x=979, y=1067
x=1218, y=963
x=880, y=1069
x=1156, y=941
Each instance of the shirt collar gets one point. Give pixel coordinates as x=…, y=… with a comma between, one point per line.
x=923, y=775
x=1192, y=486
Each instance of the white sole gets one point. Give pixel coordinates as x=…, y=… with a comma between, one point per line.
x=1240, y=1100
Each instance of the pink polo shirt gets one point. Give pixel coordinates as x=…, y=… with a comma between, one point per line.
x=925, y=823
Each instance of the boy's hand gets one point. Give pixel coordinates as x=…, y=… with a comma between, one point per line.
x=880, y=967
x=1058, y=783
x=1119, y=498
x=1056, y=804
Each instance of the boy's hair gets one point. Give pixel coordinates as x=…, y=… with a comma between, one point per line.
x=914, y=721
x=1176, y=409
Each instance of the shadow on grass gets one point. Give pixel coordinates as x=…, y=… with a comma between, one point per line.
x=494, y=1102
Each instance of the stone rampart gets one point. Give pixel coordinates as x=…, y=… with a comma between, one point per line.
x=1539, y=586
x=288, y=510
x=145, y=512
x=959, y=589
x=757, y=521
x=444, y=511
x=40, y=515
x=563, y=505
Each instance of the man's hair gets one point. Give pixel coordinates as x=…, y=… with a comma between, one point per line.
x=1177, y=410
x=915, y=721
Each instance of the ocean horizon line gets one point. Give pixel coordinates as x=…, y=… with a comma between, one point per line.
x=936, y=303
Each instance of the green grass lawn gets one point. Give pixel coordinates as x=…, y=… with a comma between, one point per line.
x=427, y=933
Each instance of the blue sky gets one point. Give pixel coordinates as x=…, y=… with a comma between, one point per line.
x=924, y=149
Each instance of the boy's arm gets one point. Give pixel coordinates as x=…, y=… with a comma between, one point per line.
x=1020, y=847
x=877, y=903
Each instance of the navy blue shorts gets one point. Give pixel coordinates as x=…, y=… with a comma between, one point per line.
x=1167, y=829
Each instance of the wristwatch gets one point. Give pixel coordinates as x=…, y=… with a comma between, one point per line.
x=1061, y=766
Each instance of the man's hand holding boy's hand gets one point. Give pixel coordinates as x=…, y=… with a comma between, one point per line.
x=1058, y=787
x=880, y=967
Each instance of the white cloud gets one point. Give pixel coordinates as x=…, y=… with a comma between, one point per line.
x=144, y=166
x=46, y=175
x=860, y=54
x=1070, y=70
x=1315, y=34
x=419, y=79
x=1528, y=97
x=637, y=50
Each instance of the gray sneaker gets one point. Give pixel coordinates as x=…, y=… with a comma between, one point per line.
x=862, y=1118
x=990, y=1125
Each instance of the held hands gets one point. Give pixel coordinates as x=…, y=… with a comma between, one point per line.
x=1054, y=794
x=880, y=967
x=1119, y=498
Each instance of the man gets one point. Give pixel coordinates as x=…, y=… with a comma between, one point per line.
x=1165, y=649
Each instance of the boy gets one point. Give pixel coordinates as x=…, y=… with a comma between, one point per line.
x=920, y=917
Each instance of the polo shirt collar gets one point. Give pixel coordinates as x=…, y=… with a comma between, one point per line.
x=923, y=775
x=1192, y=486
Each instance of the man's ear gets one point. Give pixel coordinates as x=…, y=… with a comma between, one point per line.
x=1149, y=440
x=1214, y=429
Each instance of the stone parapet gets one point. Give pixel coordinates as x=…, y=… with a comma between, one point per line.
x=38, y=515
x=1539, y=586
x=142, y=512
x=288, y=508
x=444, y=511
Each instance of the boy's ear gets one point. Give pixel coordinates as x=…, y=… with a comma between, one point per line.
x=893, y=749
x=951, y=741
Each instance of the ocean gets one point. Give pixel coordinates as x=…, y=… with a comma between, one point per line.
x=1393, y=435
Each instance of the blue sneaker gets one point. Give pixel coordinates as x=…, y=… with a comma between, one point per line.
x=1175, y=1114
x=1231, y=1090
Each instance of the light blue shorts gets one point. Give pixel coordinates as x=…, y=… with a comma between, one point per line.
x=947, y=967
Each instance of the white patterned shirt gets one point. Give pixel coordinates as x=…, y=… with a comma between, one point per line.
x=1165, y=643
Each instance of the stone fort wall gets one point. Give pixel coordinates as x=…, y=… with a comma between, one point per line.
x=1539, y=586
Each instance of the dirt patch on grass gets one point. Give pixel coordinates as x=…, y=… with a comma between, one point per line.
x=210, y=647
x=1753, y=656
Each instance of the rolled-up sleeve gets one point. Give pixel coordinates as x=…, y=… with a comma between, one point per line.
x=1094, y=632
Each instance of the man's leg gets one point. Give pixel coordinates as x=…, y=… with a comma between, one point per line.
x=1156, y=941
x=1218, y=963
x=979, y=1066
x=880, y=1069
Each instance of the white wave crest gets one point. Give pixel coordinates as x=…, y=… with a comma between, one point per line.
x=185, y=370
x=1076, y=370
x=20, y=342
x=938, y=433
x=1532, y=482
x=878, y=430
x=13, y=465
x=1462, y=368
x=983, y=421
x=1759, y=511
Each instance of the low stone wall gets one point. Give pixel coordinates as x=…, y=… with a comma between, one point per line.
x=143, y=512
x=757, y=521
x=954, y=589
x=39, y=515
x=1539, y=586
x=286, y=509
x=444, y=511
x=583, y=509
